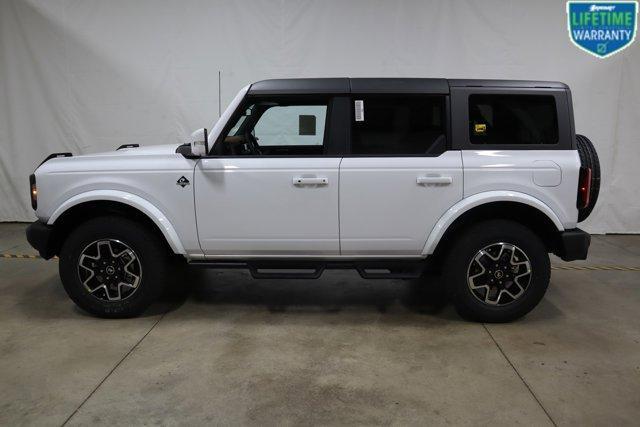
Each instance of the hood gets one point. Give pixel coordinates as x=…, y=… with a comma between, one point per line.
x=146, y=150
x=124, y=158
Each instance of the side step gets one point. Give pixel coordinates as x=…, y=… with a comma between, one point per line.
x=260, y=270
x=313, y=269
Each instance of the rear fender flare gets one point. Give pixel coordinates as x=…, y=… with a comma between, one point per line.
x=479, y=199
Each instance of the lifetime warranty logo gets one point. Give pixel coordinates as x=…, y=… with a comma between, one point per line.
x=602, y=28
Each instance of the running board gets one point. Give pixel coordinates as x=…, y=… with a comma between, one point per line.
x=313, y=269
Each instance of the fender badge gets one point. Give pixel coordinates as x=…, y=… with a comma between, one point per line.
x=182, y=182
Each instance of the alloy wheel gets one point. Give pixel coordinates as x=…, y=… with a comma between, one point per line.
x=109, y=270
x=499, y=274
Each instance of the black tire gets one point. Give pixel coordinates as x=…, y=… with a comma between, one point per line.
x=589, y=159
x=149, y=253
x=458, y=264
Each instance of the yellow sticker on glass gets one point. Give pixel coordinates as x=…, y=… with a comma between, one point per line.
x=480, y=128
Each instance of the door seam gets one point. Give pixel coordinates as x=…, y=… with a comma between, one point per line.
x=195, y=201
x=339, y=227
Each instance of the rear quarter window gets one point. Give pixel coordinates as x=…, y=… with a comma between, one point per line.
x=513, y=120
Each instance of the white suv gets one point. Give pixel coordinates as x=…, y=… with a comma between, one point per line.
x=475, y=179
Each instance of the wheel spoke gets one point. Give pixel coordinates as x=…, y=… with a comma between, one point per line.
x=491, y=292
x=480, y=257
x=100, y=245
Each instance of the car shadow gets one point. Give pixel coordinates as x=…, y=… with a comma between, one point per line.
x=225, y=290
x=334, y=292
x=47, y=300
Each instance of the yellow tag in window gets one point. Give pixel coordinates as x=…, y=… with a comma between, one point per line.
x=480, y=128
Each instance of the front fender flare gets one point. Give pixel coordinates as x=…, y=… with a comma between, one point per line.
x=475, y=200
x=132, y=200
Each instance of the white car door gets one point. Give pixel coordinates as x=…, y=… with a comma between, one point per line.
x=273, y=193
x=399, y=179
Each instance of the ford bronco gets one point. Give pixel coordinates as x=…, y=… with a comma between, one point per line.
x=474, y=180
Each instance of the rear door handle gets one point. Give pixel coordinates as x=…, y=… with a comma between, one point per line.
x=434, y=180
x=315, y=180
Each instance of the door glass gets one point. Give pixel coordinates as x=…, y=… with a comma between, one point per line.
x=279, y=128
x=408, y=125
x=292, y=125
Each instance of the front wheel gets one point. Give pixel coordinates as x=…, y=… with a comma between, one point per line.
x=112, y=267
x=497, y=271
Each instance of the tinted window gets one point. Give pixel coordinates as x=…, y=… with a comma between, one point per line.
x=398, y=125
x=513, y=119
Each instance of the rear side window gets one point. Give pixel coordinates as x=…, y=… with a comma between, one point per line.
x=392, y=125
x=513, y=119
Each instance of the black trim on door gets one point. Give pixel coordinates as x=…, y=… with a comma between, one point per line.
x=339, y=127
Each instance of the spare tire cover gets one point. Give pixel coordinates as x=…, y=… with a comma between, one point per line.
x=589, y=159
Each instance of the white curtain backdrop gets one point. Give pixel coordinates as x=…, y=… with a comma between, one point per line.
x=90, y=75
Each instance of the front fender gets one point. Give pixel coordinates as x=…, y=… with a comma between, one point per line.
x=475, y=200
x=132, y=200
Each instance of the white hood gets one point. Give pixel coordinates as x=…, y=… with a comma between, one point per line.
x=145, y=150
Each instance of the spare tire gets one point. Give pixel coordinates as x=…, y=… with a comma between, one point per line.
x=589, y=159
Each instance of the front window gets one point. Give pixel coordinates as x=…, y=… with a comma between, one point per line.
x=278, y=127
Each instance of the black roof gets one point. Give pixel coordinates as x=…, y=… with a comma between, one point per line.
x=300, y=86
x=506, y=83
x=384, y=85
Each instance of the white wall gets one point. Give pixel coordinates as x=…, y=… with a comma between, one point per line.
x=86, y=76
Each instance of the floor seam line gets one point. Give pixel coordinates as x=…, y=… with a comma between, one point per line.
x=112, y=370
x=619, y=247
x=519, y=376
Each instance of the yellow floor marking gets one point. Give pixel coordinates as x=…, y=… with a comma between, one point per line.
x=595, y=268
x=22, y=256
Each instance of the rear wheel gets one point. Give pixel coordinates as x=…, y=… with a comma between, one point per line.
x=112, y=267
x=496, y=271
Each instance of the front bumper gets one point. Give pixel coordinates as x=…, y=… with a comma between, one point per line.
x=573, y=244
x=42, y=237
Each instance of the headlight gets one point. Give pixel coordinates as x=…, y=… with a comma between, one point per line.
x=34, y=191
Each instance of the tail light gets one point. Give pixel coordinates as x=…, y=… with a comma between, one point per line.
x=584, y=188
x=34, y=191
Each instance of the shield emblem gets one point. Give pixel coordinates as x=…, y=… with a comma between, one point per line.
x=602, y=28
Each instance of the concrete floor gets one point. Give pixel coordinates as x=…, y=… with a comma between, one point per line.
x=339, y=350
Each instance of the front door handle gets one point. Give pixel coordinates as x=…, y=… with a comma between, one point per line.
x=306, y=180
x=434, y=180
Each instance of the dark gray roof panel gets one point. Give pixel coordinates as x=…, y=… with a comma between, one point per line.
x=384, y=85
x=299, y=86
x=399, y=85
x=506, y=83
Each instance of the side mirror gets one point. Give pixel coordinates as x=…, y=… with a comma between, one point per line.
x=199, y=143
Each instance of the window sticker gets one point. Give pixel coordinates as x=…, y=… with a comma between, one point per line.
x=359, y=111
x=480, y=128
x=306, y=124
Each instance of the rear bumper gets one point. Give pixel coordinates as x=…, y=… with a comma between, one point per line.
x=573, y=244
x=41, y=237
